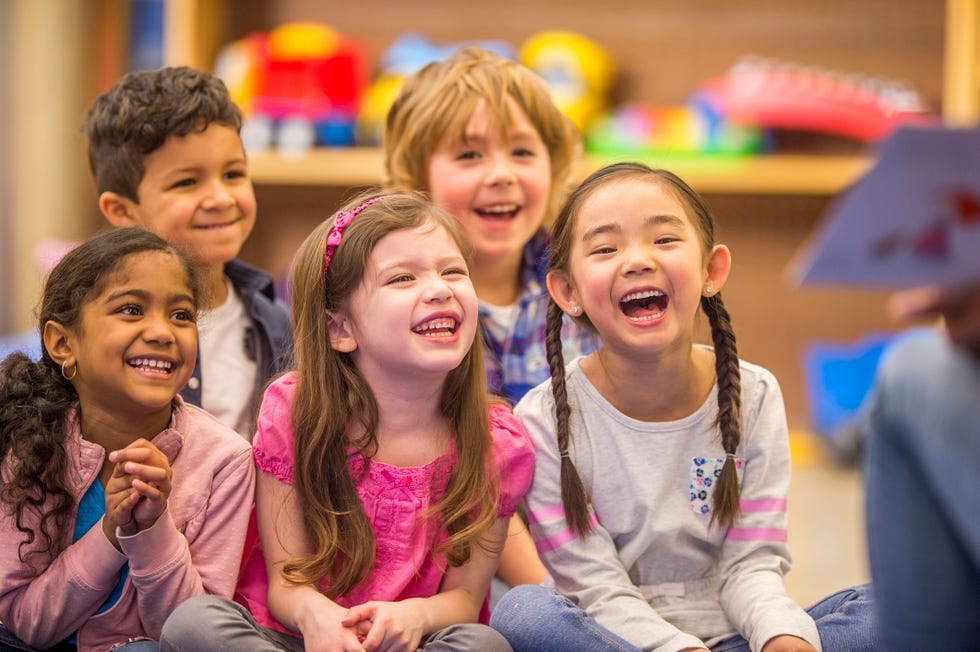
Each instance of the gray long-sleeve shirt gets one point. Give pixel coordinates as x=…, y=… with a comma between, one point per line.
x=652, y=571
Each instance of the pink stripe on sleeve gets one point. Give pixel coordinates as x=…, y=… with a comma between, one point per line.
x=756, y=534
x=552, y=513
x=560, y=539
x=764, y=505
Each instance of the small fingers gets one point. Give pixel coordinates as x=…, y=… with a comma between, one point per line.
x=375, y=637
x=119, y=509
x=139, y=450
x=148, y=490
x=356, y=614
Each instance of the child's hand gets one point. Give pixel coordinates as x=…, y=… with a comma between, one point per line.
x=388, y=626
x=332, y=638
x=120, y=498
x=148, y=472
x=787, y=643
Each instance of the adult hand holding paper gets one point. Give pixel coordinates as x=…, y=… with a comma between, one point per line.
x=913, y=225
x=912, y=220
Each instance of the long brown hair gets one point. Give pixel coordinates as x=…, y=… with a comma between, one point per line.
x=436, y=103
x=574, y=498
x=332, y=395
x=36, y=399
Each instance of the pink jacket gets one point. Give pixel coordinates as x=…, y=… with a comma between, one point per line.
x=195, y=547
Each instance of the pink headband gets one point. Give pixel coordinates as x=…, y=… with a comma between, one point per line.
x=340, y=223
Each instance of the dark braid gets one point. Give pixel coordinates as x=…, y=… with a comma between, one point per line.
x=726, y=495
x=573, y=496
x=726, y=508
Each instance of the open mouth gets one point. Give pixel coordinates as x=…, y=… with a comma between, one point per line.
x=441, y=327
x=152, y=365
x=645, y=305
x=501, y=213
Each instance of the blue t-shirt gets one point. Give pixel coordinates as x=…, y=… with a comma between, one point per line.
x=91, y=509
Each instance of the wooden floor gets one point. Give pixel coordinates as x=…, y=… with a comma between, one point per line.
x=826, y=524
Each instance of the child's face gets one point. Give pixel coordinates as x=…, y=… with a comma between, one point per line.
x=497, y=186
x=136, y=342
x=196, y=194
x=636, y=267
x=414, y=313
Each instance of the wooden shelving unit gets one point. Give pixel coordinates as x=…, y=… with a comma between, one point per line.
x=776, y=174
x=765, y=206
x=193, y=38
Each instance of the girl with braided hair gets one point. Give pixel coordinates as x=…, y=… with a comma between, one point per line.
x=658, y=503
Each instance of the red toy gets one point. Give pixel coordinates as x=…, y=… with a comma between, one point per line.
x=777, y=95
x=303, y=79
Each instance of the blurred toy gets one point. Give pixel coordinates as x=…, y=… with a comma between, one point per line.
x=411, y=51
x=578, y=71
x=300, y=86
x=838, y=378
x=636, y=129
x=407, y=54
x=779, y=95
x=379, y=98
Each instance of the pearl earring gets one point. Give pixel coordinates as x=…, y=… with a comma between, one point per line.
x=575, y=310
x=708, y=289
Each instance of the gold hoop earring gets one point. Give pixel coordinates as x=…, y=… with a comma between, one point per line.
x=74, y=370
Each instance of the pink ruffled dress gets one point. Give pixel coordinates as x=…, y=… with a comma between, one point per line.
x=395, y=500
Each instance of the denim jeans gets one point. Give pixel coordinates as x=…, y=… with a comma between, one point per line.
x=538, y=619
x=535, y=618
x=923, y=495
x=10, y=643
x=845, y=621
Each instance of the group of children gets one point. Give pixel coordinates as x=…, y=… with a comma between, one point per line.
x=652, y=470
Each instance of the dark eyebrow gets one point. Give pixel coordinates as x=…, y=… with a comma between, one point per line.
x=413, y=264
x=669, y=220
x=144, y=296
x=600, y=229
x=652, y=220
x=194, y=169
x=139, y=294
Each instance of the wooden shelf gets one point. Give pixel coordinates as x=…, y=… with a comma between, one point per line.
x=775, y=174
x=779, y=174
x=342, y=166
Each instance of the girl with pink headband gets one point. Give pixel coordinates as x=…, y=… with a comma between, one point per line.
x=387, y=476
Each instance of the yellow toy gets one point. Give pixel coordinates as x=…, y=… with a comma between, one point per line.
x=578, y=71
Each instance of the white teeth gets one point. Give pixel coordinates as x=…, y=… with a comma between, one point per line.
x=151, y=364
x=647, y=317
x=499, y=209
x=646, y=294
x=441, y=324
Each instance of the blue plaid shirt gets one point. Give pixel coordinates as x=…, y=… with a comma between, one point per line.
x=518, y=362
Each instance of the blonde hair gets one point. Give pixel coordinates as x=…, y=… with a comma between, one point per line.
x=437, y=101
x=574, y=498
x=332, y=395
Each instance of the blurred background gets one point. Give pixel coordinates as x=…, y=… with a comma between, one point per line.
x=768, y=108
